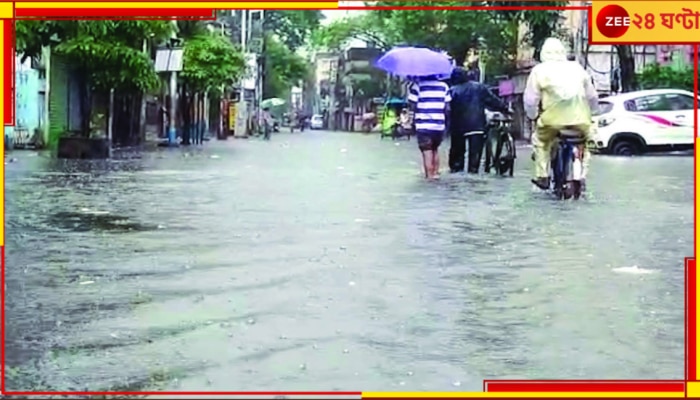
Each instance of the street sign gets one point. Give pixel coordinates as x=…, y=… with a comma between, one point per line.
x=169, y=60
x=255, y=45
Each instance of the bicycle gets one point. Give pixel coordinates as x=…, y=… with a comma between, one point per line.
x=498, y=133
x=567, y=165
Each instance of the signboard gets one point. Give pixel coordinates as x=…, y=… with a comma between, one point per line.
x=251, y=76
x=232, y=114
x=255, y=45
x=241, y=121
x=169, y=60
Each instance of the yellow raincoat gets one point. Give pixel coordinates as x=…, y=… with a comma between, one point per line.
x=560, y=94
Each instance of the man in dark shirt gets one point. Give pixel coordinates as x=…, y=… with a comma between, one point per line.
x=470, y=99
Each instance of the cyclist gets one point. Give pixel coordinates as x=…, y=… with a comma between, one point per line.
x=564, y=93
x=470, y=99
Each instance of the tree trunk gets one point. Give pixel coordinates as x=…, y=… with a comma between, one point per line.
x=110, y=121
x=135, y=119
x=628, y=75
x=186, y=116
x=85, y=106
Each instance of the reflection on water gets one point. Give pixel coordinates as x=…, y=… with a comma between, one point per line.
x=322, y=261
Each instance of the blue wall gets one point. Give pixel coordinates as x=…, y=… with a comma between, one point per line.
x=28, y=103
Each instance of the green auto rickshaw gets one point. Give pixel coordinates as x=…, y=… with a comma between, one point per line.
x=394, y=119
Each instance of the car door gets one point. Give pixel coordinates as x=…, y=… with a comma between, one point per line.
x=661, y=125
x=682, y=111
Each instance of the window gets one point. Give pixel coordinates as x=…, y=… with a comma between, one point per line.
x=678, y=102
x=655, y=102
x=603, y=108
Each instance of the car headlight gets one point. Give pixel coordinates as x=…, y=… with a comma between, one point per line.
x=605, y=121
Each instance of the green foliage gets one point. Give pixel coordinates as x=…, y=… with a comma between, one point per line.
x=541, y=23
x=283, y=69
x=655, y=76
x=211, y=61
x=293, y=27
x=188, y=28
x=493, y=32
x=373, y=27
x=108, y=52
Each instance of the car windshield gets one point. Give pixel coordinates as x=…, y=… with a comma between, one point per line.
x=603, y=108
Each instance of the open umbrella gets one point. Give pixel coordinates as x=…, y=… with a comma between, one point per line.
x=272, y=102
x=415, y=61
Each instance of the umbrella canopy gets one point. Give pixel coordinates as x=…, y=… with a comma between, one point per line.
x=415, y=61
x=272, y=102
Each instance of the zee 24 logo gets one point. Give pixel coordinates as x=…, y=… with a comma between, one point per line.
x=613, y=21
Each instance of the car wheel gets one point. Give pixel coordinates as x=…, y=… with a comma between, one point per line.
x=626, y=147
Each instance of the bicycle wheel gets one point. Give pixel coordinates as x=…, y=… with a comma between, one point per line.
x=512, y=154
x=506, y=154
x=558, y=173
x=498, y=157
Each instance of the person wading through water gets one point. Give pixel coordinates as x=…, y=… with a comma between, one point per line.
x=429, y=99
x=467, y=121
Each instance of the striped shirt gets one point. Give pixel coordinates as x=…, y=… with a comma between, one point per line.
x=430, y=98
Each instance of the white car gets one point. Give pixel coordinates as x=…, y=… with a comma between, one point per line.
x=317, y=121
x=636, y=122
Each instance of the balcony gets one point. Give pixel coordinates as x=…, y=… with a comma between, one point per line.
x=362, y=54
x=358, y=67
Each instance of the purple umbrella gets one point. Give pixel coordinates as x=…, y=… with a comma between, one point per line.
x=415, y=61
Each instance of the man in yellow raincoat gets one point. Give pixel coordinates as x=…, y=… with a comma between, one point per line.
x=559, y=94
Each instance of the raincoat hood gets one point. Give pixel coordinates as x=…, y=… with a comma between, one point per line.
x=553, y=50
x=462, y=75
x=559, y=92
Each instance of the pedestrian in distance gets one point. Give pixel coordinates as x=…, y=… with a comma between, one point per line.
x=467, y=119
x=266, y=123
x=429, y=100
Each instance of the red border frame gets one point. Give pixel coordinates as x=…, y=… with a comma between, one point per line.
x=502, y=386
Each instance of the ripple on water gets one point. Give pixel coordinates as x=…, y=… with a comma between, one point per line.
x=211, y=272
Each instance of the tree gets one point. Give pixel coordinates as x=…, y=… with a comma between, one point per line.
x=210, y=62
x=293, y=28
x=492, y=32
x=541, y=23
x=628, y=73
x=283, y=69
x=655, y=76
x=371, y=27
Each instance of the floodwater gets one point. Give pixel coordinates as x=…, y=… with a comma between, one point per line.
x=322, y=261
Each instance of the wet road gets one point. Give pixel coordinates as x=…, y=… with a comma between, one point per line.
x=323, y=261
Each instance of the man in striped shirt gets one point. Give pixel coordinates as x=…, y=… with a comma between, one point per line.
x=429, y=99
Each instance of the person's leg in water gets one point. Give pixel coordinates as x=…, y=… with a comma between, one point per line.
x=458, y=146
x=476, y=148
x=427, y=163
x=425, y=145
x=436, y=140
x=542, y=142
x=436, y=163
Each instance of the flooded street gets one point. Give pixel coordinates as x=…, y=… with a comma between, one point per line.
x=322, y=261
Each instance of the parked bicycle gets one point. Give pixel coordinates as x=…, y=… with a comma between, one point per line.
x=500, y=146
